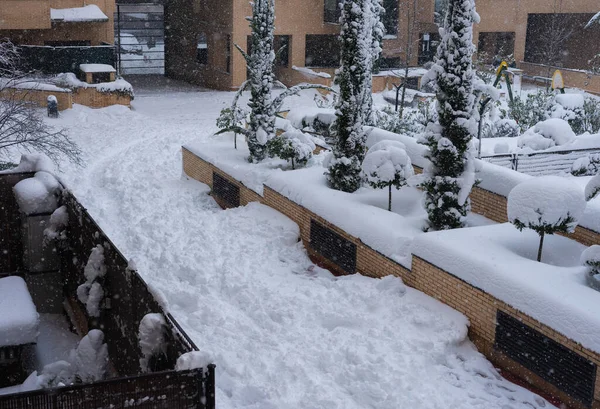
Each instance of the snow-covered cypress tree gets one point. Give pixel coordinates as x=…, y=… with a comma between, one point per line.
x=361, y=31
x=450, y=177
x=260, y=78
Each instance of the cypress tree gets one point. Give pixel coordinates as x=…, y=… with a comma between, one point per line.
x=451, y=175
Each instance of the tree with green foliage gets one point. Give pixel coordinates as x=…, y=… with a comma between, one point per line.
x=361, y=31
x=450, y=177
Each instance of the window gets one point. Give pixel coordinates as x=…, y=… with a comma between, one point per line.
x=332, y=11
x=322, y=51
x=202, y=49
x=281, y=46
x=496, y=45
x=390, y=18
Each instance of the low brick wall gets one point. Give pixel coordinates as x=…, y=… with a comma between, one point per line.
x=481, y=309
x=93, y=98
x=40, y=97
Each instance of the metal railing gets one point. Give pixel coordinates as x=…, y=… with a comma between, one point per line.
x=540, y=163
x=168, y=390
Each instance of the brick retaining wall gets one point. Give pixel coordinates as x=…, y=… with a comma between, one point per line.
x=480, y=307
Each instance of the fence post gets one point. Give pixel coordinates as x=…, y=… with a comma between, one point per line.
x=515, y=161
x=210, y=387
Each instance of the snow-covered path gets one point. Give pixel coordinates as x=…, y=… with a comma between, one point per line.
x=283, y=332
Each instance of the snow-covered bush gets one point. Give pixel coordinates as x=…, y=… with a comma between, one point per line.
x=390, y=120
x=588, y=165
x=592, y=189
x=387, y=164
x=231, y=118
x=547, y=205
x=545, y=134
x=502, y=128
x=39, y=194
x=535, y=108
x=590, y=258
x=569, y=107
x=361, y=30
x=591, y=115
x=151, y=337
x=449, y=179
x=292, y=145
x=57, y=229
x=91, y=293
x=90, y=359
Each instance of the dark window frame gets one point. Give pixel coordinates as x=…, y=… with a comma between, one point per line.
x=331, y=11
x=322, y=51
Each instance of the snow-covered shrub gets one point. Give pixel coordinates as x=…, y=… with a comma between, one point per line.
x=449, y=179
x=592, y=189
x=90, y=359
x=535, y=108
x=360, y=35
x=387, y=164
x=39, y=194
x=57, y=229
x=91, y=293
x=590, y=258
x=506, y=128
x=547, y=205
x=545, y=134
x=390, y=120
x=569, y=107
x=231, y=118
x=292, y=145
x=151, y=337
x=588, y=165
x=591, y=115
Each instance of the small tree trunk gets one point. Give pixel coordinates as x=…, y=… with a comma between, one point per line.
x=539, y=258
x=390, y=199
x=293, y=164
x=235, y=140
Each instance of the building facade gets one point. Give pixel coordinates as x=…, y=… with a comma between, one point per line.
x=57, y=22
x=201, y=36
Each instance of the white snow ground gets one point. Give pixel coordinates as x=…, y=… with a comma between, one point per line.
x=282, y=332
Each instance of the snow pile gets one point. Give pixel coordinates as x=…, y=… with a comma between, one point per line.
x=93, y=68
x=19, y=319
x=415, y=150
x=570, y=101
x=87, y=13
x=59, y=220
x=90, y=359
x=70, y=80
x=310, y=73
x=91, y=293
x=501, y=261
x=32, y=163
x=26, y=84
x=193, y=360
x=301, y=118
x=592, y=188
x=548, y=133
x=591, y=259
x=151, y=337
x=243, y=288
x=38, y=194
x=546, y=201
x=386, y=161
x=588, y=165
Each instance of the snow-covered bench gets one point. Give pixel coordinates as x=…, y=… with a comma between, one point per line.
x=96, y=73
x=19, y=319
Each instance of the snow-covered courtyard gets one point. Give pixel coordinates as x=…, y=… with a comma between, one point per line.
x=283, y=332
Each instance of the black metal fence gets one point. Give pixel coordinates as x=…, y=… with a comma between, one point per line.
x=160, y=390
x=128, y=297
x=540, y=163
x=11, y=249
x=54, y=60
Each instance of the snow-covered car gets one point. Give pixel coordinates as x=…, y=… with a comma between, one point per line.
x=129, y=44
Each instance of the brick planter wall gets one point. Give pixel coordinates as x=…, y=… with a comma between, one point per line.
x=480, y=307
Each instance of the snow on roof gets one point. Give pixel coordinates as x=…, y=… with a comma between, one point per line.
x=501, y=261
x=19, y=319
x=90, y=13
x=97, y=68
